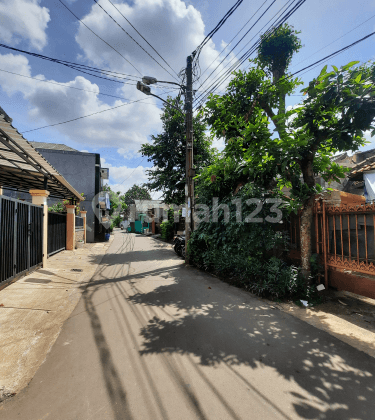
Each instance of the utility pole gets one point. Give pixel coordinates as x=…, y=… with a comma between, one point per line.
x=189, y=188
x=190, y=172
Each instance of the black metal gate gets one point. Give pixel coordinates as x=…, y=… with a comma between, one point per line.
x=56, y=232
x=21, y=237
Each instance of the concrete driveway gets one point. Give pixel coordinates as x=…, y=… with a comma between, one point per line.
x=153, y=339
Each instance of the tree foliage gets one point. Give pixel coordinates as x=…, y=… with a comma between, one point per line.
x=273, y=148
x=168, y=154
x=136, y=192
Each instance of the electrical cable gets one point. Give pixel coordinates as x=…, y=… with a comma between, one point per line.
x=89, y=115
x=255, y=46
x=197, y=51
x=141, y=36
x=134, y=170
x=238, y=60
x=70, y=63
x=114, y=49
x=62, y=84
x=247, y=53
x=85, y=90
x=140, y=46
x=316, y=52
x=239, y=41
x=265, y=1
x=221, y=79
x=334, y=54
x=313, y=65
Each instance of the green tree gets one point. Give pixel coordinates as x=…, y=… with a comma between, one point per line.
x=168, y=154
x=136, y=192
x=338, y=108
x=114, y=199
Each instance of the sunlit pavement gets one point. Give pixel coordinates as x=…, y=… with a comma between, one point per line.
x=154, y=339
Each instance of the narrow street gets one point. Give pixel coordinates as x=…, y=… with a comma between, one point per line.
x=153, y=339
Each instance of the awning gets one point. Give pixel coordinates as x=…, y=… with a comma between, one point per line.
x=22, y=168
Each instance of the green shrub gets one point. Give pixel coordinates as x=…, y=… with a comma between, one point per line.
x=167, y=230
x=244, y=253
x=116, y=222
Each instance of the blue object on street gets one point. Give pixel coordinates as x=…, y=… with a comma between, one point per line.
x=107, y=236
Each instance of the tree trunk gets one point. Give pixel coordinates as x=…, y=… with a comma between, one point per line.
x=307, y=219
x=306, y=230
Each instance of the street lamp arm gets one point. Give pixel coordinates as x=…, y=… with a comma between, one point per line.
x=175, y=107
x=172, y=83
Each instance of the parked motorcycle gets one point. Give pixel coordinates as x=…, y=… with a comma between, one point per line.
x=179, y=245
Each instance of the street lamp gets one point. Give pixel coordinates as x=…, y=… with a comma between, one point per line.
x=147, y=91
x=148, y=80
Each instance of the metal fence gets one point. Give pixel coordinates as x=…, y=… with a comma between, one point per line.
x=56, y=232
x=21, y=237
x=343, y=236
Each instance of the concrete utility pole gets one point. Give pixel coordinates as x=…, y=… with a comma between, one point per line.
x=189, y=188
x=190, y=172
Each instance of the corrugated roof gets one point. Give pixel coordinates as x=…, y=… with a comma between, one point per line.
x=51, y=146
x=144, y=205
x=366, y=165
x=23, y=168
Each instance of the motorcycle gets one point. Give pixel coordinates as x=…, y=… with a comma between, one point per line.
x=179, y=245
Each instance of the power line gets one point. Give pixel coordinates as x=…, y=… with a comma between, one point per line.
x=255, y=46
x=110, y=46
x=233, y=38
x=334, y=54
x=221, y=79
x=239, y=41
x=71, y=64
x=313, y=65
x=197, y=51
x=133, y=170
x=140, y=46
x=70, y=87
x=141, y=36
x=89, y=115
x=316, y=52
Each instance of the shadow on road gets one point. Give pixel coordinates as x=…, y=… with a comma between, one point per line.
x=220, y=331
x=224, y=325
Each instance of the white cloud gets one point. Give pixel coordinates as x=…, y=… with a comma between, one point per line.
x=125, y=127
x=173, y=29
x=24, y=19
x=121, y=178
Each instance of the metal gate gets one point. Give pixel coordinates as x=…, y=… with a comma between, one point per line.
x=56, y=232
x=21, y=237
x=343, y=236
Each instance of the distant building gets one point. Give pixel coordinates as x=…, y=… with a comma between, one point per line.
x=83, y=171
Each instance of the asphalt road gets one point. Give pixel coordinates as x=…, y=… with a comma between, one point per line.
x=153, y=339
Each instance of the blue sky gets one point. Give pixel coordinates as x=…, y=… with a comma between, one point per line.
x=174, y=28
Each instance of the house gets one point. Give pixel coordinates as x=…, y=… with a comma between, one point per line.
x=83, y=171
x=359, y=163
x=362, y=178
x=28, y=235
